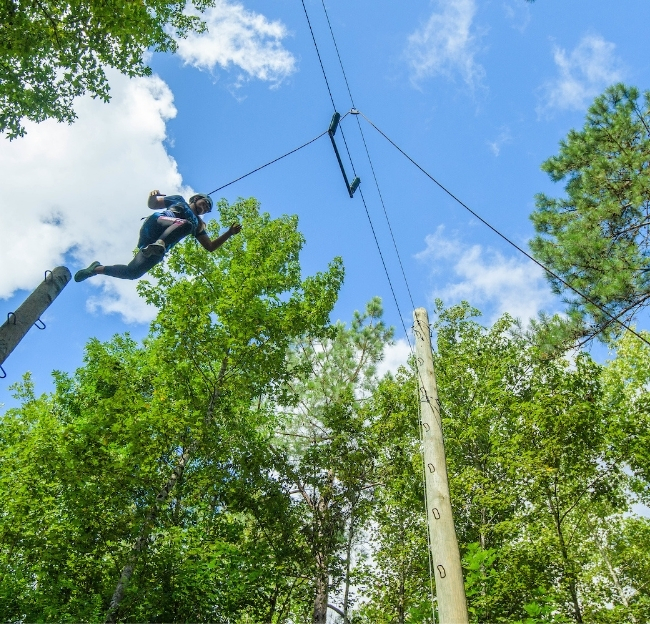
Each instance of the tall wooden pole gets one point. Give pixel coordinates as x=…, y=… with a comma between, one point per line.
x=450, y=590
x=18, y=323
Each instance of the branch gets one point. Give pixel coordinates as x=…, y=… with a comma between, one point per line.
x=337, y=610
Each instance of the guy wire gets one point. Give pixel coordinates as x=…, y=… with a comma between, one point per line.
x=347, y=149
x=429, y=553
x=505, y=238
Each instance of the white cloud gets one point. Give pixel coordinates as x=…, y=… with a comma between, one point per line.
x=504, y=137
x=242, y=38
x=485, y=278
x=517, y=13
x=446, y=45
x=120, y=297
x=395, y=355
x=77, y=192
x=583, y=73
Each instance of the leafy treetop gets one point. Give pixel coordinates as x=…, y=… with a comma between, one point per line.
x=52, y=51
x=597, y=237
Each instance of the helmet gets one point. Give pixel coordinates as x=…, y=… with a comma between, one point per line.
x=207, y=198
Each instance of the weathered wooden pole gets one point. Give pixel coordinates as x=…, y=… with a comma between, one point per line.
x=29, y=313
x=450, y=590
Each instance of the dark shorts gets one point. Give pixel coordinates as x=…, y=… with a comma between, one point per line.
x=151, y=230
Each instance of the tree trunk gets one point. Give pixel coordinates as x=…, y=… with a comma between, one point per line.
x=569, y=572
x=401, y=607
x=273, y=601
x=321, y=556
x=573, y=586
x=348, y=556
x=322, y=589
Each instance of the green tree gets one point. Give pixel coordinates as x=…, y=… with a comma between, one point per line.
x=529, y=450
x=396, y=583
x=324, y=446
x=628, y=379
x=139, y=482
x=52, y=51
x=531, y=466
x=597, y=237
x=616, y=569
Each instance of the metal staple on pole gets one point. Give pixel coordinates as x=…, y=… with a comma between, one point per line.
x=424, y=489
x=29, y=313
x=452, y=605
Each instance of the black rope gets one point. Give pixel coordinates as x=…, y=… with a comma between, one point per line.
x=505, y=238
x=347, y=149
x=381, y=256
x=293, y=151
x=372, y=168
x=347, y=84
x=320, y=60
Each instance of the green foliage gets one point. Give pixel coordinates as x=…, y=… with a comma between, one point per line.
x=628, y=379
x=619, y=570
x=528, y=455
x=534, y=470
x=52, y=51
x=324, y=445
x=596, y=238
x=84, y=471
x=396, y=583
x=297, y=474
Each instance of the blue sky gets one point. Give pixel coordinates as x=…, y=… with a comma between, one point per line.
x=479, y=92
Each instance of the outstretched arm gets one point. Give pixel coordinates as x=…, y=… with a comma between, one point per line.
x=211, y=245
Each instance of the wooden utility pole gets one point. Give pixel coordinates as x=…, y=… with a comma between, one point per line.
x=29, y=313
x=450, y=590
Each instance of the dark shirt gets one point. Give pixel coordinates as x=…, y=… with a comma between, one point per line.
x=180, y=209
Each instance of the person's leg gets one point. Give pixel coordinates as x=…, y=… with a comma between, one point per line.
x=161, y=233
x=135, y=269
x=169, y=232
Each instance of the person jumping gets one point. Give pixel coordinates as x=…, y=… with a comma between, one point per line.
x=160, y=232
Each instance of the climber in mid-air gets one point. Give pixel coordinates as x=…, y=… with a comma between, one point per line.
x=173, y=220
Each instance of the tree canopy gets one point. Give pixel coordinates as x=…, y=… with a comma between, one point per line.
x=246, y=464
x=52, y=52
x=597, y=237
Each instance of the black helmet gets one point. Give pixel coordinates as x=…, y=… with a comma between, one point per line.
x=207, y=198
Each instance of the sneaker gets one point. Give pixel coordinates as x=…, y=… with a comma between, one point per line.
x=84, y=274
x=154, y=249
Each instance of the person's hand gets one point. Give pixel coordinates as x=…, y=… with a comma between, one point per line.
x=153, y=198
x=235, y=228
